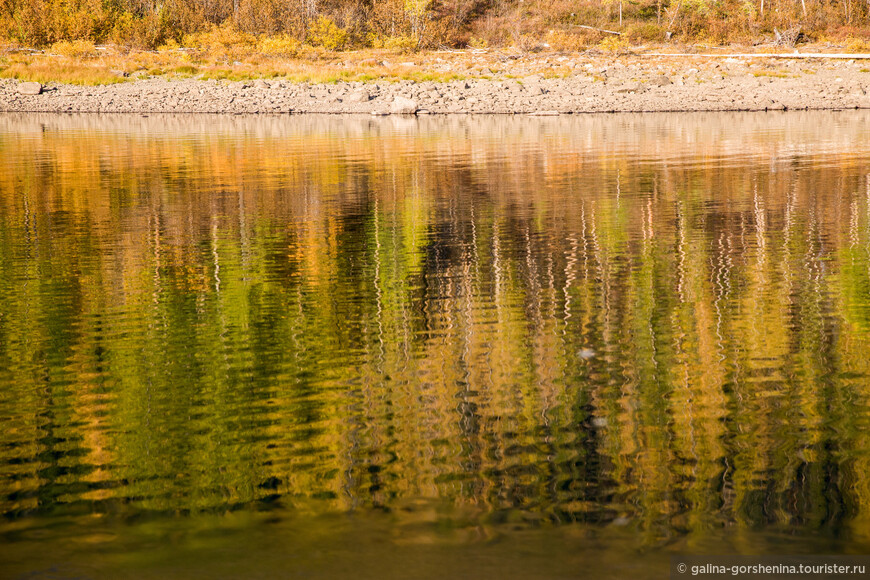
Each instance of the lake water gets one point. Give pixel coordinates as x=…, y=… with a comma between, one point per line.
x=325, y=347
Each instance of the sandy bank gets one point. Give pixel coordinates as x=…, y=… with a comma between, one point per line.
x=594, y=84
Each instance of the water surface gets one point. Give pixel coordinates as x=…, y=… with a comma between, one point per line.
x=453, y=347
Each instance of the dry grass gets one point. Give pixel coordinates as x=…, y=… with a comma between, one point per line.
x=45, y=71
x=294, y=62
x=312, y=65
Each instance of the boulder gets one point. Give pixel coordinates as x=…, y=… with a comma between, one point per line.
x=29, y=88
x=403, y=106
x=358, y=97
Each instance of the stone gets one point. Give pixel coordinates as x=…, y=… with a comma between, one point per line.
x=358, y=97
x=638, y=88
x=29, y=88
x=545, y=114
x=403, y=106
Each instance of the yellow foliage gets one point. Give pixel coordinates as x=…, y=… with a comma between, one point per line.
x=327, y=34
x=280, y=46
x=857, y=45
x=225, y=36
x=401, y=43
x=646, y=32
x=475, y=42
x=561, y=40
x=148, y=31
x=170, y=44
x=615, y=44
x=42, y=22
x=74, y=48
x=224, y=41
x=277, y=27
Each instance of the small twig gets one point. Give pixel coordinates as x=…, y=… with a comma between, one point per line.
x=597, y=29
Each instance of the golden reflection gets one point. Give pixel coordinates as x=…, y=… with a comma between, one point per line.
x=659, y=320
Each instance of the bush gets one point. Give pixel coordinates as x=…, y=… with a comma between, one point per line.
x=475, y=42
x=224, y=41
x=637, y=33
x=567, y=41
x=282, y=45
x=75, y=48
x=615, y=44
x=857, y=45
x=45, y=22
x=327, y=34
x=399, y=43
x=148, y=31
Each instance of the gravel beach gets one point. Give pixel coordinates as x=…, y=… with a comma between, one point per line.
x=592, y=84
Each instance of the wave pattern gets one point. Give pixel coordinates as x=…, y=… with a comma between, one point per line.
x=503, y=323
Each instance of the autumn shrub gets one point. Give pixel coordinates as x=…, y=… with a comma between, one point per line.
x=475, y=42
x=146, y=31
x=570, y=41
x=44, y=22
x=397, y=43
x=857, y=44
x=641, y=32
x=393, y=22
x=74, y=48
x=280, y=45
x=225, y=42
x=614, y=44
x=237, y=29
x=274, y=17
x=325, y=33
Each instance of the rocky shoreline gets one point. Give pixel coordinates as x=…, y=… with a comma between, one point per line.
x=618, y=84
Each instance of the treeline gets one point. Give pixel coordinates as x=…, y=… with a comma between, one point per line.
x=339, y=24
